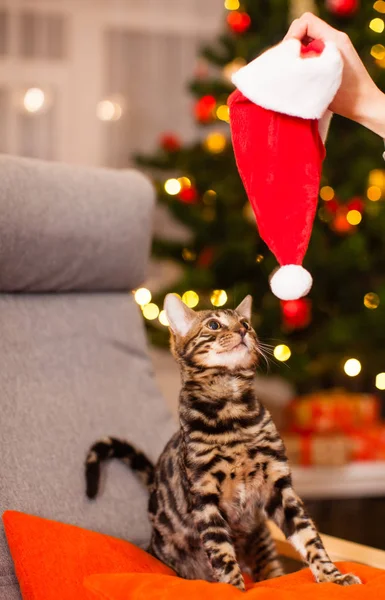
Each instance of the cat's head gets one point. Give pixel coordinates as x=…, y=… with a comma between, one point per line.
x=212, y=338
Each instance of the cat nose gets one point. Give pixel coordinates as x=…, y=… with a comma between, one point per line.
x=243, y=331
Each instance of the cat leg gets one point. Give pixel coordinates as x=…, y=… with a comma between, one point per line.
x=287, y=511
x=216, y=540
x=259, y=554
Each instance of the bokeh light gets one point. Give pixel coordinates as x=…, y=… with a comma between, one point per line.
x=374, y=193
x=142, y=296
x=354, y=217
x=218, y=298
x=151, y=311
x=380, y=381
x=34, y=100
x=172, y=187
x=163, y=318
x=326, y=193
x=282, y=352
x=352, y=367
x=377, y=25
x=371, y=300
x=190, y=298
x=215, y=142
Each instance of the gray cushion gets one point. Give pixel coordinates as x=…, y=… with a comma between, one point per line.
x=74, y=367
x=72, y=228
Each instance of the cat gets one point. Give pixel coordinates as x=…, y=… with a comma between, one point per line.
x=225, y=472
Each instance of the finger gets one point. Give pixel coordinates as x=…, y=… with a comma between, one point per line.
x=297, y=30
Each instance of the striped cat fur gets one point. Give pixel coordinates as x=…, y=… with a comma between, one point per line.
x=225, y=472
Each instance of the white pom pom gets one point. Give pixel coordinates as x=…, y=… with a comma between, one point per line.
x=291, y=282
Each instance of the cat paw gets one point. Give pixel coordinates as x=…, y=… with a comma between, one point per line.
x=342, y=578
x=239, y=583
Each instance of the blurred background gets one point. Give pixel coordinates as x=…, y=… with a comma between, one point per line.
x=122, y=83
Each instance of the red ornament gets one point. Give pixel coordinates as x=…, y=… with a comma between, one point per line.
x=239, y=22
x=170, y=142
x=204, y=109
x=296, y=313
x=331, y=206
x=356, y=204
x=342, y=8
x=340, y=224
x=205, y=258
x=189, y=195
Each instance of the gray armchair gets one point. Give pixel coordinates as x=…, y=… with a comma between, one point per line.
x=74, y=364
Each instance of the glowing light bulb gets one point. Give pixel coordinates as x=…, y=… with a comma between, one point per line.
x=354, y=217
x=379, y=6
x=218, y=298
x=188, y=255
x=259, y=258
x=215, y=142
x=232, y=4
x=142, y=296
x=374, y=193
x=282, y=352
x=380, y=381
x=190, y=298
x=163, y=318
x=352, y=367
x=185, y=182
x=371, y=301
x=109, y=110
x=172, y=187
x=377, y=25
x=150, y=311
x=223, y=113
x=327, y=193
x=34, y=100
x=377, y=178
x=378, y=51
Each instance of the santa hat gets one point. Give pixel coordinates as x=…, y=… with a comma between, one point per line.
x=279, y=120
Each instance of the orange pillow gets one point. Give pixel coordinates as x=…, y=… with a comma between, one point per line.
x=290, y=587
x=52, y=559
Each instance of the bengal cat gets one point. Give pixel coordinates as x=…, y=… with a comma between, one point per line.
x=225, y=472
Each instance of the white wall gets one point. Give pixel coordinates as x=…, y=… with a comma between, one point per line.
x=81, y=51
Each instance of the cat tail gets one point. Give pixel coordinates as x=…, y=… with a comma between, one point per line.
x=108, y=448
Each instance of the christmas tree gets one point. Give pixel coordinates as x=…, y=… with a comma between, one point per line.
x=336, y=336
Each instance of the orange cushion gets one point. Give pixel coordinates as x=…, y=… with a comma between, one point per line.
x=132, y=586
x=52, y=559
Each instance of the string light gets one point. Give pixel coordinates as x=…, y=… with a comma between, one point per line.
x=188, y=255
x=379, y=6
x=163, y=318
x=380, y=381
x=371, y=300
x=142, y=296
x=352, y=367
x=259, y=258
x=150, y=311
x=209, y=197
x=215, y=142
x=223, y=113
x=354, y=217
x=377, y=178
x=377, y=25
x=378, y=51
x=34, y=100
x=218, y=298
x=108, y=110
x=232, y=4
x=282, y=352
x=327, y=193
x=185, y=182
x=190, y=298
x=172, y=187
x=374, y=193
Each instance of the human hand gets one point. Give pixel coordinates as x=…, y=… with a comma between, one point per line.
x=358, y=98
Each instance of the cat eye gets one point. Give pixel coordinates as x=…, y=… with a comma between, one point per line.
x=214, y=325
x=245, y=324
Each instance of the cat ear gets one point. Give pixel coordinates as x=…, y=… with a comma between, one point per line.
x=179, y=316
x=244, y=308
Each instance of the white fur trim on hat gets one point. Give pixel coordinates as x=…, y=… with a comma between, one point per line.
x=291, y=282
x=281, y=80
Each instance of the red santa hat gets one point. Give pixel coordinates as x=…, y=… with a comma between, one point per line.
x=279, y=119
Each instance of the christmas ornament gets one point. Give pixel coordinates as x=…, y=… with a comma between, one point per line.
x=342, y=8
x=205, y=258
x=189, y=195
x=205, y=109
x=296, y=313
x=279, y=119
x=170, y=142
x=239, y=22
